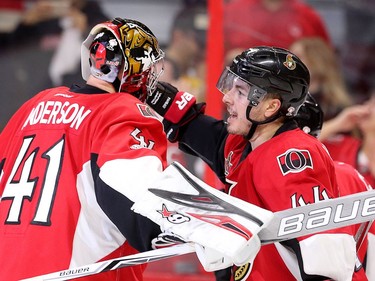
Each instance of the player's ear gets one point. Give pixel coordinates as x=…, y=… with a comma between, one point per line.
x=273, y=106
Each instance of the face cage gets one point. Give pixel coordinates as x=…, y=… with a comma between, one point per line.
x=228, y=79
x=144, y=83
x=154, y=75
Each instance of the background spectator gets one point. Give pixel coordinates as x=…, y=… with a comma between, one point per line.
x=184, y=67
x=356, y=150
x=45, y=29
x=327, y=83
x=279, y=23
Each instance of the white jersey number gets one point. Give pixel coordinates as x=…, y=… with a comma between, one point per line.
x=22, y=188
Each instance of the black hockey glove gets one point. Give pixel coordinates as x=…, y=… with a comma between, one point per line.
x=177, y=108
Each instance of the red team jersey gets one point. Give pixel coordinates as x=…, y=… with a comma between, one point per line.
x=350, y=181
x=289, y=170
x=72, y=160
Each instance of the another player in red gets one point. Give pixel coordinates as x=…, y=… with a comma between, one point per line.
x=263, y=89
x=73, y=160
x=350, y=181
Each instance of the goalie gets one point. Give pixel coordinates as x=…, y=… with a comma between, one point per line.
x=263, y=90
x=73, y=161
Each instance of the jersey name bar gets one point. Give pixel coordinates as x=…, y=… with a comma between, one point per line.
x=56, y=112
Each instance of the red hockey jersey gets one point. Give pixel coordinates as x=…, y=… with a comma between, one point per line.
x=72, y=162
x=351, y=181
x=289, y=170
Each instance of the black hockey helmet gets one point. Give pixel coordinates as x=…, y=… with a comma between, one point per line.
x=310, y=117
x=270, y=70
x=123, y=45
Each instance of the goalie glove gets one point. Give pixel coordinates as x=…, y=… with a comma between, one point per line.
x=213, y=260
x=182, y=204
x=176, y=107
x=166, y=239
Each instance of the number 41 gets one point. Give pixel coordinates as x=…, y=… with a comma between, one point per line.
x=19, y=190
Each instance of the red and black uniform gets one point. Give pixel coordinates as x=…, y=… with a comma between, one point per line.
x=289, y=170
x=350, y=181
x=72, y=162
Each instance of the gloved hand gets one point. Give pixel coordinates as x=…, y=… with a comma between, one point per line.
x=176, y=107
x=168, y=102
x=213, y=260
x=227, y=228
x=166, y=239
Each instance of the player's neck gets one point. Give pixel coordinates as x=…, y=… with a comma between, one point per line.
x=103, y=85
x=264, y=133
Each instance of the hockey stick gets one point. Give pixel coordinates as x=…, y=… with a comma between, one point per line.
x=287, y=224
x=324, y=215
x=112, y=264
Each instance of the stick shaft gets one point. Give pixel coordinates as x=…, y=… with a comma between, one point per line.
x=136, y=259
x=286, y=225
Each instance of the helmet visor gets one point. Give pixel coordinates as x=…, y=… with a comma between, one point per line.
x=244, y=91
x=230, y=83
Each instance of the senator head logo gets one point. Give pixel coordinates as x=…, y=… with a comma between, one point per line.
x=289, y=62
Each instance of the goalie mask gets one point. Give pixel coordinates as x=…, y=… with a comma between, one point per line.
x=122, y=52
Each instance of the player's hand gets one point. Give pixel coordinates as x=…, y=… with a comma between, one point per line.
x=176, y=107
x=170, y=103
x=166, y=239
x=213, y=260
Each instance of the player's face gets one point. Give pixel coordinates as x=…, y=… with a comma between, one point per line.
x=236, y=102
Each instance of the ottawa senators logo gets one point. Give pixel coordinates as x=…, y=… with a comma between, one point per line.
x=242, y=272
x=294, y=161
x=289, y=62
x=147, y=111
x=228, y=163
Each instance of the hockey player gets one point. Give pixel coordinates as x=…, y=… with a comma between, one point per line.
x=263, y=89
x=310, y=120
x=73, y=160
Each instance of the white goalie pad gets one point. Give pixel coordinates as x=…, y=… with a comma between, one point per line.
x=183, y=204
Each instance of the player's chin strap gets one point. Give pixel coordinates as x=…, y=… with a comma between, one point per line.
x=254, y=124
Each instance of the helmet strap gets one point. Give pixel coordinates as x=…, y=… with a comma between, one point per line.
x=254, y=124
x=116, y=84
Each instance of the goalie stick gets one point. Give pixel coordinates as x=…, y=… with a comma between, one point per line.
x=287, y=224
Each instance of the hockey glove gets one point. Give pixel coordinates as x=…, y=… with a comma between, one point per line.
x=177, y=108
x=226, y=227
x=166, y=239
